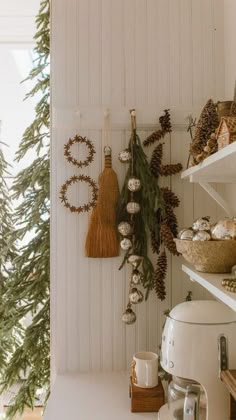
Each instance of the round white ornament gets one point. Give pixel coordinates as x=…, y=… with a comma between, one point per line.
x=134, y=184
x=133, y=207
x=125, y=156
x=224, y=229
x=203, y=223
x=136, y=277
x=186, y=234
x=129, y=316
x=126, y=244
x=135, y=296
x=125, y=228
x=135, y=260
x=202, y=235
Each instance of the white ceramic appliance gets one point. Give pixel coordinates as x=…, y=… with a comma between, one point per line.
x=199, y=340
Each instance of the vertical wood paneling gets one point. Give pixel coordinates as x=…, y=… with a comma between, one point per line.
x=95, y=49
x=140, y=52
x=162, y=52
x=197, y=47
x=106, y=52
x=117, y=54
x=129, y=56
x=175, y=58
x=152, y=64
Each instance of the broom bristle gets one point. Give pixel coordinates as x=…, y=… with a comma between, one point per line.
x=102, y=239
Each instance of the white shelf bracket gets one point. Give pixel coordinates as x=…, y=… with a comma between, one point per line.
x=217, y=197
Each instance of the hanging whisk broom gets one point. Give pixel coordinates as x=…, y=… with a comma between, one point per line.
x=102, y=239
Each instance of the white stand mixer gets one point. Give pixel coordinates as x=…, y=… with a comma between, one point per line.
x=198, y=341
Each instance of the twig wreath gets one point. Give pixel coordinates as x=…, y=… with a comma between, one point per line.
x=79, y=178
x=71, y=159
x=74, y=179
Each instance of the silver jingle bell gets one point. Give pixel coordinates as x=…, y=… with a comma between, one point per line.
x=129, y=316
x=125, y=229
x=134, y=184
x=203, y=223
x=133, y=207
x=126, y=244
x=135, y=296
x=202, y=235
x=186, y=234
x=135, y=260
x=125, y=156
x=136, y=277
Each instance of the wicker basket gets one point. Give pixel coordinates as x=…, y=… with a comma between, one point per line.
x=209, y=256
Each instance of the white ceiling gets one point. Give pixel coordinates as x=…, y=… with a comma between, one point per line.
x=17, y=20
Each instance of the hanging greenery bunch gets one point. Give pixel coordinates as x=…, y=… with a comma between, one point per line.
x=165, y=227
x=145, y=207
x=26, y=292
x=140, y=198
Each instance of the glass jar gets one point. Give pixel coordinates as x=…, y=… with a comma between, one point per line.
x=177, y=391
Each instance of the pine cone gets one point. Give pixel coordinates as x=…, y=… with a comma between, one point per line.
x=171, y=221
x=155, y=243
x=155, y=136
x=206, y=125
x=170, y=197
x=167, y=238
x=160, y=275
x=168, y=170
x=156, y=159
x=165, y=121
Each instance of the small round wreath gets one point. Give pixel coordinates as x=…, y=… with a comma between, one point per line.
x=73, y=180
x=71, y=159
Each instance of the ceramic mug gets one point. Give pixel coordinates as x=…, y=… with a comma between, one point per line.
x=145, y=369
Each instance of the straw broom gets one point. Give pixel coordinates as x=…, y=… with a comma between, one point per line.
x=102, y=238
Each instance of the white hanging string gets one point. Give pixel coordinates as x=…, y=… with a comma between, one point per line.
x=106, y=134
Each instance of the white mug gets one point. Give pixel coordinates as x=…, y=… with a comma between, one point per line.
x=145, y=369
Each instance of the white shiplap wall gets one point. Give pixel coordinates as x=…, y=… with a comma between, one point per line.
x=148, y=54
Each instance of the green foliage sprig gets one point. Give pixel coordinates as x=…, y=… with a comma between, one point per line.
x=26, y=288
x=150, y=199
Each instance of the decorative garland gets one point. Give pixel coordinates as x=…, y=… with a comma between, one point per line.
x=71, y=159
x=79, y=178
x=73, y=180
x=146, y=207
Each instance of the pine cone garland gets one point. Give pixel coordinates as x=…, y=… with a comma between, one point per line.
x=206, y=125
x=156, y=159
x=156, y=136
x=170, y=198
x=167, y=238
x=165, y=121
x=160, y=275
x=168, y=170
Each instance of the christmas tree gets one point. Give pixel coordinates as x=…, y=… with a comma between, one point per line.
x=26, y=287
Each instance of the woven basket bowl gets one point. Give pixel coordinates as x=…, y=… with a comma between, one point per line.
x=209, y=256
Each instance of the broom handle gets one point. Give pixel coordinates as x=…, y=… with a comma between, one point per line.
x=107, y=154
x=106, y=139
